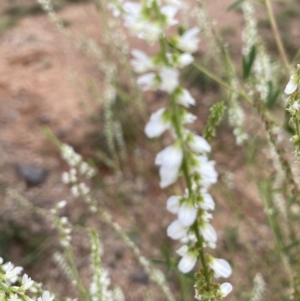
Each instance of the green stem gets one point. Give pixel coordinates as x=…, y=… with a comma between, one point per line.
x=277, y=35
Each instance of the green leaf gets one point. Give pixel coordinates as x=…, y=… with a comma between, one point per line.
x=248, y=62
x=272, y=96
x=235, y=5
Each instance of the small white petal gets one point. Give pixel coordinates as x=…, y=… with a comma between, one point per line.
x=188, y=42
x=221, y=267
x=141, y=61
x=173, y=203
x=184, y=60
x=209, y=233
x=185, y=98
x=157, y=124
x=169, y=79
x=147, y=81
x=225, y=289
x=198, y=144
x=187, y=263
x=187, y=214
x=176, y=230
x=291, y=86
x=208, y=202
x=183, y=250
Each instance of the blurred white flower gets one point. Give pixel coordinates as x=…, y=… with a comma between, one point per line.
x=11, y=272
x=173, y=203
x=184, y=60
x=176, y=230
x=169, y=160
x=207, y=202
x=185, y=98
x=208, y=232
x=188, y=42
x=206, y=170
x=27, y=282
x=157, y=124
x=188, y=260
x=225, y=289
x=169, y=79
x=141, y=62
x=187, y=213
x=220, y=267
x=291, y=86
x=198, y=144
x=46, y=297
x=148, y=81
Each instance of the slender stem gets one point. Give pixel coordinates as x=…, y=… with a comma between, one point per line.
x=276, y=33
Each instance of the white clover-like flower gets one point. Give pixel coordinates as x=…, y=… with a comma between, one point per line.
x=184, y=60
x=141, y=62
x=169, y=11
x=207, y=202
x=176, y=230
x=291, y=86
x=173, y=203
x=198, y=144
x=11, y=272
x=220, y=267
x=185, y=98
x=148, y=81
x=169, y=160
x=206, y=170
x=157, y=124
x=188, y=42
x=27, y=282
x=188, y=260
x=225, y=289
x=187, y=213
x=169, y=79
x=46, y=296
x=209, y=233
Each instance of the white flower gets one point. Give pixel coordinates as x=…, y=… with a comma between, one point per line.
x=26, y=282
x=148, y=81
x=141, y=62
x=169, y=79
x=188, y=42
x=189, y=118
x=198, y=144
x=220, y=267
x=157, y=124
x=46, y=297
x=11, y=272
x=185, y=98
x=173, y=203
x=208, y=232
x=187, y=214
x=61, y=204
x=188, y=260
x=206, y=170
x=1, y=260
x=150, y=31
x=291, y=86
x=176, y=230
x=184, y=60
x=207, y=202
x=170, y=11
x=169, y=160
x=225, y=289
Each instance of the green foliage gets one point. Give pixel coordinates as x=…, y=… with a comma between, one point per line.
x=248, y=62
x=215, y=117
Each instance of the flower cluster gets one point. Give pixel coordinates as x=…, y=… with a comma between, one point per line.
x=293, y=107
x=187, y=155
x=78, y=167
x=14, y=287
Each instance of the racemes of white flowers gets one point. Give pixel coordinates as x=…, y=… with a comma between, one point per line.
x=188, y=154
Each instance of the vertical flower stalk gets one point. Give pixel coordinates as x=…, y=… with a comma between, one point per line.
x=187, y=155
